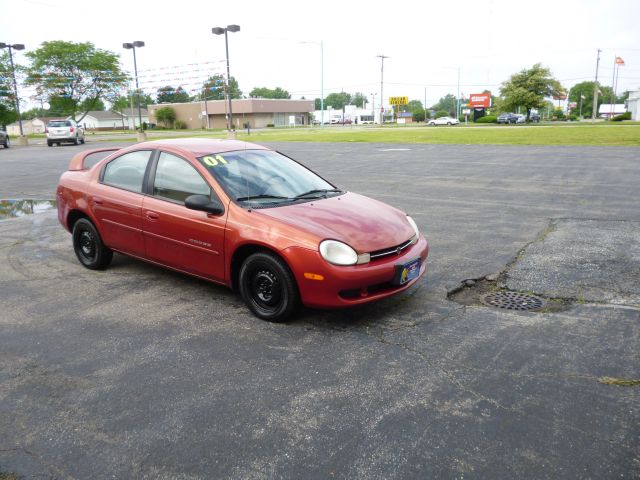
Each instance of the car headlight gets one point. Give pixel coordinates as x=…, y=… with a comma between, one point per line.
x=413, y=224
x=338, y=253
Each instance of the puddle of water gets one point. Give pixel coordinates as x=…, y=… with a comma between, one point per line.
x=19, y=208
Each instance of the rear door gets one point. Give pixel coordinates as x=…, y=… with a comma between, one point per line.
x=116, y=201
x=187, y=240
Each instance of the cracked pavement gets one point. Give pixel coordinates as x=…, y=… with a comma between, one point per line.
x=138, y=372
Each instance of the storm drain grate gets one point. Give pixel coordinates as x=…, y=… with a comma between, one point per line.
x=513, y=301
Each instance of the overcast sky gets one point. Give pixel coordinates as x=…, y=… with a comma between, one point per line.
x=426, y=41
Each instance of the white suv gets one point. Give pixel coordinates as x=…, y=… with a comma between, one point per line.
x=59, y=131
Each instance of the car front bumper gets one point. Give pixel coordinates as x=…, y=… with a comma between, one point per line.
x=350, y=285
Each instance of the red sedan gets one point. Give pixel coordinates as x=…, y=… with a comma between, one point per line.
x=240, y=215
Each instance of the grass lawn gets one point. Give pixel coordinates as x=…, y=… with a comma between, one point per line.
x=571, y=134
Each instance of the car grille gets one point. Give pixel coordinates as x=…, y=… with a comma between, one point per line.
x=397, y=250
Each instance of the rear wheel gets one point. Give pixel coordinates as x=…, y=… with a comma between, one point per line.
x=75, y=141
x=49, y=144
x=89, y=247
x=6, y=143
x=268, y=287
x=82, y=140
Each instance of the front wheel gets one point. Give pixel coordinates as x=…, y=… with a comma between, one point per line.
x=88, y=246
x=268, y=287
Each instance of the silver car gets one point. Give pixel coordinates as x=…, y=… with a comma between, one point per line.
x=59, y=131
x=4, y=138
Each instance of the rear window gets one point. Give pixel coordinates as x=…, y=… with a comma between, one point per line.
x=61, y=123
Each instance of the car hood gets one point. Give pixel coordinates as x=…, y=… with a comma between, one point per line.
x=363, y=223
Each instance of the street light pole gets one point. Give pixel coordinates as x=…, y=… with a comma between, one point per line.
x=15, y=46
x=382, y=57
x=595, y=90
x=132, y=46
x=220, y=31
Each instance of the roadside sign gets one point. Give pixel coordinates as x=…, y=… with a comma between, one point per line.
x=398, y=100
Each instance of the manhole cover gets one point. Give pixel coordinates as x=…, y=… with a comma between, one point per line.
x=513, y=301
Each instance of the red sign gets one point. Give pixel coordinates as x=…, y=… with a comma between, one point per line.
x=480, y=100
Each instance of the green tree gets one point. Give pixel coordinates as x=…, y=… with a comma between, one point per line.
x=7, y=98
x=34, y=113
x=75, y=72
x=528, y=88
x=92, y=104
x=125, y=101
x=337, y=100
x=166, y=116
x=214, y=88
x=448, y=103
x=415, y=106
x=418, y=115
x=585, y=89
x=263, y=92
x=169, y=94
x=359, y=99
x=318, y=104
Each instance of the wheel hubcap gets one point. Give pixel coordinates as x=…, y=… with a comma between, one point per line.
x=87, y=244
x=266, y=288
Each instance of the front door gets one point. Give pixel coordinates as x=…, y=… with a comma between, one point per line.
x=187, y=240
x=116, y=202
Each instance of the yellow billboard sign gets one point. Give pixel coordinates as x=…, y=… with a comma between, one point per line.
x=398, y=100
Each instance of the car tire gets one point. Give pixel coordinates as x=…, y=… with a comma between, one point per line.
x=59, y=144
x=75, y=141
x=49, y=144
x=449, y=124
x=88, y=246
x=82, y=140
x=268, y=287
x=6, y=143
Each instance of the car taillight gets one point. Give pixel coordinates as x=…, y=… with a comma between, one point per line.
x=71, y=129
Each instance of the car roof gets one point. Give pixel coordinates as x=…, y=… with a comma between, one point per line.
x=203, y=146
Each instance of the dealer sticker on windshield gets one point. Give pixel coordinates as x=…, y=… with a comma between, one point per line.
x=407, y=272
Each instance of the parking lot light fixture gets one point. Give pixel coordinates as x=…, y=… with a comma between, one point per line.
x=220, y=31
x=133, y=46
x=15, y=46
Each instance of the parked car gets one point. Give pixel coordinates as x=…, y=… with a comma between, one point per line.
x=443, y=121
x=534, y=117
x=521, y=118
x=64, y=131
x=4, y=138
x=507, y=118
x=240, y=215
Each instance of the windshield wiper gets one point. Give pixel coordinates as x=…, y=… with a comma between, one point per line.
x=319, y=190
x=252, y=197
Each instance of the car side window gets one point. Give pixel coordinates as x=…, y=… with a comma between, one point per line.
x=176, y=179
x=127, y=171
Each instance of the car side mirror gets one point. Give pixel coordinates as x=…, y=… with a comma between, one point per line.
x=204, y=204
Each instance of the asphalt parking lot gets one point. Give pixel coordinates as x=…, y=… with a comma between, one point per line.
x=138, y=372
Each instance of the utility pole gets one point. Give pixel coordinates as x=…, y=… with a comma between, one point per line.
x=595, y=90
x=382, y=57
x=425, y=105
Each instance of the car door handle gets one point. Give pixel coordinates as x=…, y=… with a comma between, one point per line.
x=152, y=216
x=98, y=200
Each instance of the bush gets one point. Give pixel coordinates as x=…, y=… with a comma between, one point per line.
x=441, y=113
x=624, y=116
x=487, y=119
x=270, y=125
x=573, y=117
x=180, y=125
x=166, y=115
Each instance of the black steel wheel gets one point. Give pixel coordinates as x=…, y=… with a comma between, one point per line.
x=88, y=246
x=268, y=287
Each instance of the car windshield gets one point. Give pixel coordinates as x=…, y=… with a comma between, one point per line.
x=263, y=178
x=60, y=124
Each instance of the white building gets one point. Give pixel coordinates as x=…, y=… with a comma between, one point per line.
x=608, y=110
x=352, y=114
x=633, y=105
x=99, y=120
